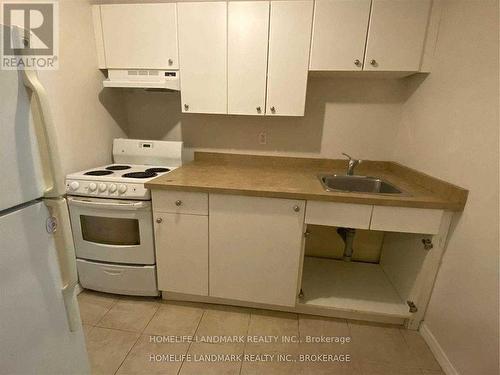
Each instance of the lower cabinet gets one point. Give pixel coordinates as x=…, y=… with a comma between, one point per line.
x=255, y=248
x=182, y=252
x=251, y=250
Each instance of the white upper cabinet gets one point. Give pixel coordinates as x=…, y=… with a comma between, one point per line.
x=202, y=53
x=139, y=36
x=248, y=27
x=396, y=35
x=289, y=42
x=339, y=34
x=370, y=35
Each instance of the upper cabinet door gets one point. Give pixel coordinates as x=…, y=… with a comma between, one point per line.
x=248, y=27
x=202, y=53
x=339, y=34
x=140, y=36
x=289, y=42
x=396, y=35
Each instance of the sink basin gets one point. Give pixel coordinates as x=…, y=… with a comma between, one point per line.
x=359, y=184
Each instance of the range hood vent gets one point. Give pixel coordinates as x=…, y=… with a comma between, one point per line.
x=143, y=79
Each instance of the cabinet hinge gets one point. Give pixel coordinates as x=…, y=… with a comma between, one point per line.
x=412, y=306
x=427, y=243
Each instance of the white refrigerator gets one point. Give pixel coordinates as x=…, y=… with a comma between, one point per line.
x=40, y=328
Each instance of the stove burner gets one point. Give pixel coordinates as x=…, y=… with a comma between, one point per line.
x=157, y=170
x=140, y=174
x=118, y=167
x=98, y=173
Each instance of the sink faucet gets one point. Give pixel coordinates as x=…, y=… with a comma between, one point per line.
x=351, y=164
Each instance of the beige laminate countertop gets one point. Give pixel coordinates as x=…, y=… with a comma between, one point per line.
x=296, y=178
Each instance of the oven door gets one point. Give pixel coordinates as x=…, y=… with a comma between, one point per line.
x=110, y=230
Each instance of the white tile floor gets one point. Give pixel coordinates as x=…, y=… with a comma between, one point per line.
x=120, y=333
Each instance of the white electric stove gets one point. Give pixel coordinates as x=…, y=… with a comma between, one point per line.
x=111, y=217
x=118, y=181
x=136, y=162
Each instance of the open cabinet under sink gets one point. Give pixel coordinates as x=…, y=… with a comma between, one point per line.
x=392, y=289
x=351, y=286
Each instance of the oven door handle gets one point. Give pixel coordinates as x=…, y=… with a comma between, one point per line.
x=116, y=206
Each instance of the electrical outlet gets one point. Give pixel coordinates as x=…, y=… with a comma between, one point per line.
x=263, y=138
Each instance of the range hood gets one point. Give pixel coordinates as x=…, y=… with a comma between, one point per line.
x=143, y=78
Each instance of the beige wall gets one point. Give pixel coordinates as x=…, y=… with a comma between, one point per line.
x=450, y=129
x=354, y=115
x=86, y=118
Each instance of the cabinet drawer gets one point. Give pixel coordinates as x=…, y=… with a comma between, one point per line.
x=404, y=219
x=180, y=202
x=119, y=279
x=338, y=214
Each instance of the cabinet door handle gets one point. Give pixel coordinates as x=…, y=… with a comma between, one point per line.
x=296, y=208
x=170, y=61
x=159, y=220
x=258, y=109
x=373, y=62
x=186, y=107
x=357, y=62
x=178, y=203
x=273, y=109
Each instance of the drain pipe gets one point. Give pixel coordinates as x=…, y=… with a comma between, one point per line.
x=347, y=235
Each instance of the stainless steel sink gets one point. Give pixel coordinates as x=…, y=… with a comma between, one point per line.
x=358, y=184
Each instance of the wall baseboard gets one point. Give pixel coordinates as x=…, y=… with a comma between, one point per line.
x=437, y=350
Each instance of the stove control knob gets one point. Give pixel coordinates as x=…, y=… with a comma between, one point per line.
x=102, y=187
x=74, y=185
x=112, y=188
x=122, y=189
x=92, y=186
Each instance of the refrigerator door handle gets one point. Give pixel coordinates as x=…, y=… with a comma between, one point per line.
x=67, y=260
x=55, y=186
x=72, y=308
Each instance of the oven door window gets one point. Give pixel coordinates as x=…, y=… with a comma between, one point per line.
x=110, y=231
